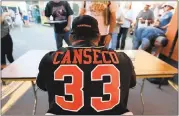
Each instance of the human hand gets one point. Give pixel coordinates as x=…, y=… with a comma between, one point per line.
x=141, y=20
x=67, y=28
x=107, y=40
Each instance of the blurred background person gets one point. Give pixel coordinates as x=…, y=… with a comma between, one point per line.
x=36, y=14
x=6, y=40
x=60, y=11
x=25, y=18
x=127, y=20
x=145, y=16
x=146, y=36
x=19, y=21
x=119, y=22
x=165, y=18
x=105, y=13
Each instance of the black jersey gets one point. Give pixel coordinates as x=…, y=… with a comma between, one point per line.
x=86, y=80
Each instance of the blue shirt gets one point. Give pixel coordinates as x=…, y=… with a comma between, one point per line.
x=165, y=19
x=148, y=32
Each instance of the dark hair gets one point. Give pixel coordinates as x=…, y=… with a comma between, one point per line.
x=164, y=42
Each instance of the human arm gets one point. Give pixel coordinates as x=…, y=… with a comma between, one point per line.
x=69, y=14
x=4, y=14
x=112, y=23
x=48, y=11
x=83, y=8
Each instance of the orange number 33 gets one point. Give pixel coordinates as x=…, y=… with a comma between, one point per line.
x=75, y=88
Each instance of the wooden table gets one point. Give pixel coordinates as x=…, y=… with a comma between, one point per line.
x=146, y=66
x=149, y=66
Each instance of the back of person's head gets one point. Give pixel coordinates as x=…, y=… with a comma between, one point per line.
x=85, y=28
x=161, y=41
x=147, y=5
x=164, y=42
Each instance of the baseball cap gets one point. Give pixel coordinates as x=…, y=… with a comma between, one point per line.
x=85, y=25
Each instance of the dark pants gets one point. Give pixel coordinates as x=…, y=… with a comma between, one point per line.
x=123, y=32
x=59, y=39
x=6, y=49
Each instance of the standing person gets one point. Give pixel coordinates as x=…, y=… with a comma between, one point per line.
x=145, y=15
x=127, y=13
x=6, y=40
x=77, y=78
x=166, y=17
x=105, y=13
x=119, y=22
x=60, y=10
x=36, y=14
x=26, y=18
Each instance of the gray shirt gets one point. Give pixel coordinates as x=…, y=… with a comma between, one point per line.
x=4, y=29
x=147, y=15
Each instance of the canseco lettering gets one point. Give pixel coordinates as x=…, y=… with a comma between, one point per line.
x=87, y=56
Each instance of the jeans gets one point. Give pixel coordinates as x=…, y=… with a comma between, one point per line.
x=123, y=33
x=59, y=39
x=112, y=43
x=144, y=44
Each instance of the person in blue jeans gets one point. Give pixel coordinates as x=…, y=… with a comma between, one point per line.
x=145, y=36
x=61, y=11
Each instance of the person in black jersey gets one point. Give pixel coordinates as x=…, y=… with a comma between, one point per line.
x=60, y=11
x=84, y=78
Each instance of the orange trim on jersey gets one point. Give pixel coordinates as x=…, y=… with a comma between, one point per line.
x=77, y=58
x=89, y=58
x=104, y=57
x=114, y=57
x=96, y=61
x=55, y=57
x=66, y=58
